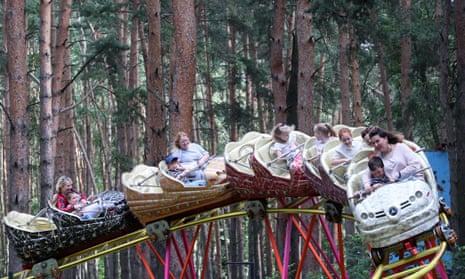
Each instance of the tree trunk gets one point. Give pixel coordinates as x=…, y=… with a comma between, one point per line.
x=156, y=128
x=4, y=144
x=218, y=254
x=253, y=246
x=183, y=75
x=383, y=73
x=233, y=249
x=406, y=70
x=68, y=135
x=18, y=161
x=457, y=148
x=231, y=78
x=61, y=133
x=208, y=83
x=321, y=89
x=46, y=115
x=356, y=94
x=343, y=57
x=442, y=18
x=279, y=80
x=305, y=82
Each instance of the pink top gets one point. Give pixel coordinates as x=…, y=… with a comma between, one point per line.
x=400, y=163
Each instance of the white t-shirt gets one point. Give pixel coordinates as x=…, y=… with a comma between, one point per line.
x=343, y=151
x=290, y=145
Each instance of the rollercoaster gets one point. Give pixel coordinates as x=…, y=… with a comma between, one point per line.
x=393, y=220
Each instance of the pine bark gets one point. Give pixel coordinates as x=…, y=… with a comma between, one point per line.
x=46, y=114
x=19, y=125
x=183, y=69
x=305, y=82
x=232, y=72
x=457, y=148
x=156, y=128
x=383, y=73
x=406, y=70
x=62, y=133
x=343, y=57
x=279, y=80
x=355, y=74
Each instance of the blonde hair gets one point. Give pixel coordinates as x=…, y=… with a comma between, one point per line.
x=279, y=130
x=61, y=182
x=177, y=141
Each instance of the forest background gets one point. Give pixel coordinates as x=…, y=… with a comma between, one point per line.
x=92, y=88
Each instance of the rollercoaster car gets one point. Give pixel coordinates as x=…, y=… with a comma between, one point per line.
x=237, y=163
x=54, y=233
x=152, y=194
x=395, y=211
x=274, y=177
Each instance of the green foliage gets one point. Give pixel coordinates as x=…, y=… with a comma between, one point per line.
x=357, y=257
x=458, y=264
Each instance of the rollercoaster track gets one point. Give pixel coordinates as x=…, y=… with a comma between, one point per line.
x=415, y=272
x=417, y=264
x=165, y=207
x=133, y=239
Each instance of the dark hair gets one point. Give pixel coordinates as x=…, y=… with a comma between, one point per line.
x=325, y=129
x=70, y=194
x=392, y=138
x=367, y=131
x=375, y=163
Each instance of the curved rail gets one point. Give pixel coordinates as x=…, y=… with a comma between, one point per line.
x=415, y=272
x=425, y=261
x=142, y=235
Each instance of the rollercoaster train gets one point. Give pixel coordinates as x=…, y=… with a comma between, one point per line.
x=390, y=215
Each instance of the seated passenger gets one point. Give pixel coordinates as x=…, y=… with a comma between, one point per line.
x=400, y=161
x=174, y=168
x=191, y=156
x=77, y=204
x=377, y=174
x=65, y=185
x=285, y=143
x=323, y=133
x=347, y=149
x=365, y=134
x=179, y=172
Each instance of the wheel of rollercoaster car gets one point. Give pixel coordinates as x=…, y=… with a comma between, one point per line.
x=377, y=255
x=438, y=232
x=445, y=233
